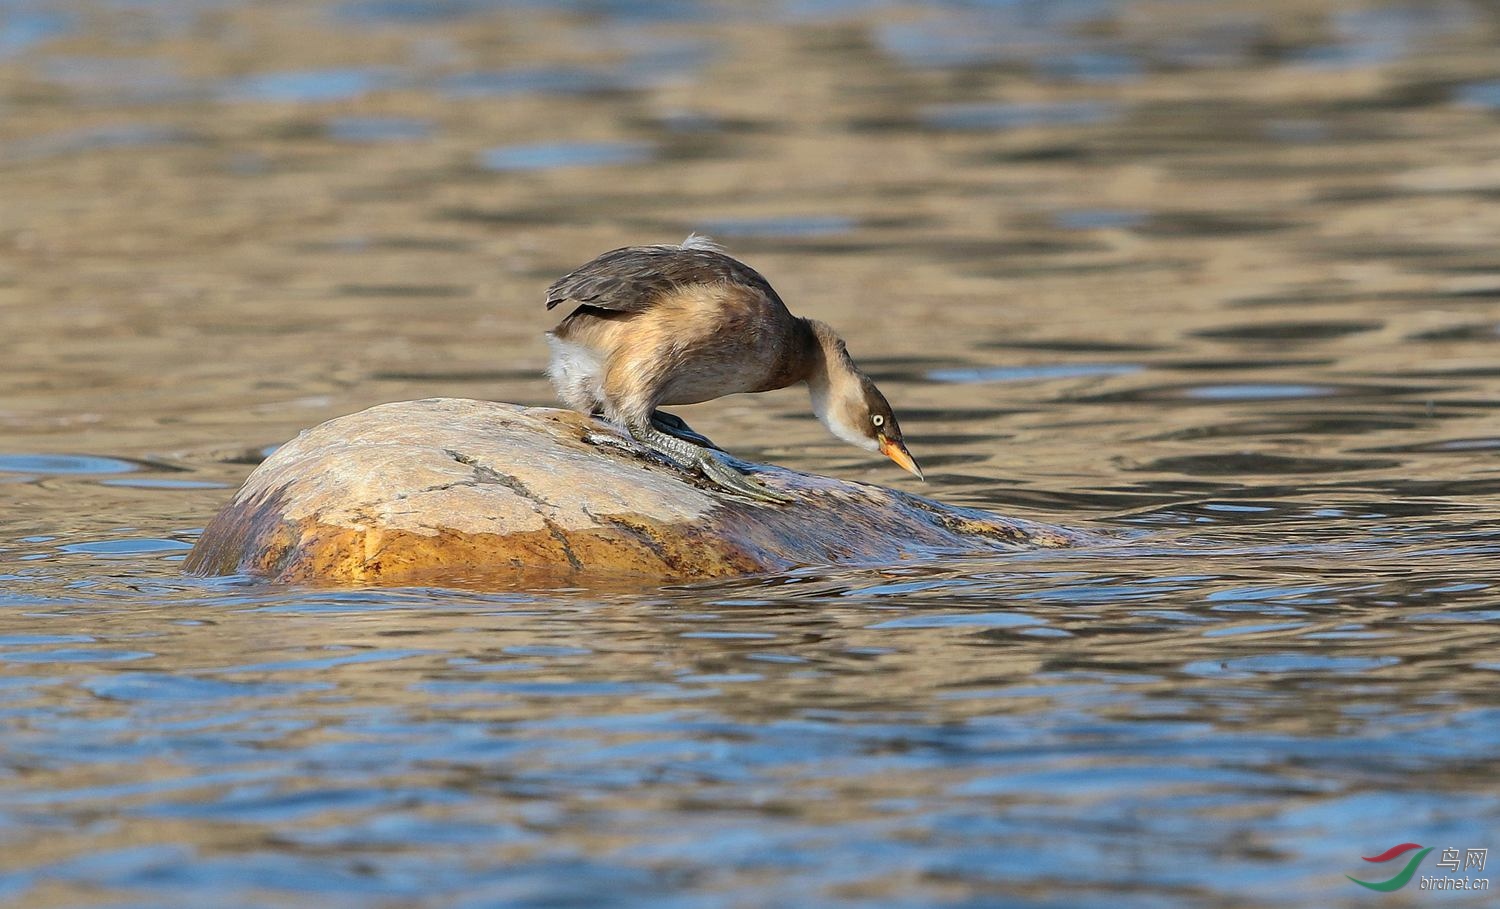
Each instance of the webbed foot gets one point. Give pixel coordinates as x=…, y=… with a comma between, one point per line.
x=741, y=484
x=697, y=457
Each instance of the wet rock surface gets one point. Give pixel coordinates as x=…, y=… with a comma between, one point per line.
x=478, y=492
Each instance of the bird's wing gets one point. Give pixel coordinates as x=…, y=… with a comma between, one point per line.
x=632, y=279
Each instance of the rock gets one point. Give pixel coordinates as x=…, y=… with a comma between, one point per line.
x=475, y=493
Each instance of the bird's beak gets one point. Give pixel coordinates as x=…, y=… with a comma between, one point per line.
x=897, y=452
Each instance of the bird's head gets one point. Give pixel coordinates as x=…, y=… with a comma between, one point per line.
x=880, y=430
x=853, y=409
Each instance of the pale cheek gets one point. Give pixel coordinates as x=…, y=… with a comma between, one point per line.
x=852, y=435
x=855, y=437
x=832, y=417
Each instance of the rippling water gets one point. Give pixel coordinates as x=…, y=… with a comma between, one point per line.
x=1217, y=279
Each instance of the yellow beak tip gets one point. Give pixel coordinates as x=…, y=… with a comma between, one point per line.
x=897, y=452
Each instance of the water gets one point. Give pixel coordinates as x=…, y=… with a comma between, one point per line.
x=551, y=155
x=1216, y=280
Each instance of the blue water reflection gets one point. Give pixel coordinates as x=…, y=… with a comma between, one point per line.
x=63, y=464
x=306, y=86
x=1480, y=94
x=22, y=28
x=549, y=155
x=1099, y=218
x=784, y=226
x=125, y=547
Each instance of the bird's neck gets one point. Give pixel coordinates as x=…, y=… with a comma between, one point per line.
x=821, y=359
x=832, y=381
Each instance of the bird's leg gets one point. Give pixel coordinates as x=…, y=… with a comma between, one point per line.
x=673, y=425
x=622, y=439
x=694, y=456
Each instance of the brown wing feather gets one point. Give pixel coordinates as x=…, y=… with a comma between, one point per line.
x=632, y=279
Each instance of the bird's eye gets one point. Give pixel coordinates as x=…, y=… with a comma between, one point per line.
x=878, y=420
